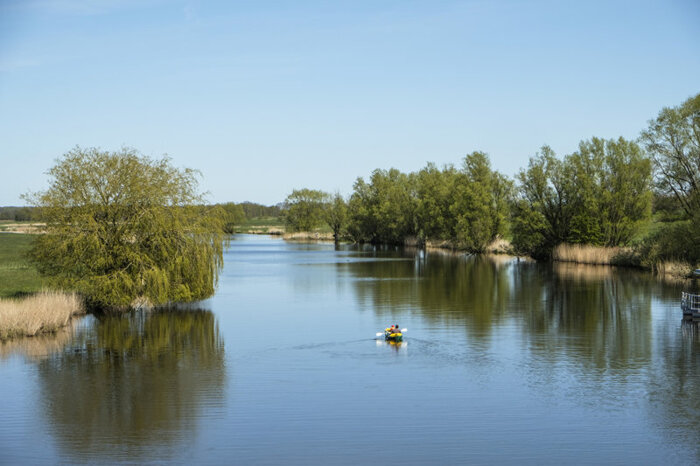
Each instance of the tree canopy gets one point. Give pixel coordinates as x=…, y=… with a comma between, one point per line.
x=673, y=142
x=336, y=215
x=304, y=209
x=122, y=226
x=598, y=195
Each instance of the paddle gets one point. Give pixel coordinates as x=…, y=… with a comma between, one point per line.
x=379, y=334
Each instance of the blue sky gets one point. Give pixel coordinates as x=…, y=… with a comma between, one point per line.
x=267, y=96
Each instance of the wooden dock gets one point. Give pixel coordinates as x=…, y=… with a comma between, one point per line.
x=690, y=303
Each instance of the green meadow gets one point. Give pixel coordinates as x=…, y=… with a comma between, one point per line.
x=18, y=277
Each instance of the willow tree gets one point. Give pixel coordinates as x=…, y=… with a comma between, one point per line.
x=122, y=227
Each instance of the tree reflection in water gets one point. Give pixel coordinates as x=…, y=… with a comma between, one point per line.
x=674, y=387
x=598, y=315
x=586, y=331
x=133, y=383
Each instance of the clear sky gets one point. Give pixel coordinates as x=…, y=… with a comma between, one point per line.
x=267, y=96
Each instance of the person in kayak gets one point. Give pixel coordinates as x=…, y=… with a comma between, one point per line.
x=397, y=329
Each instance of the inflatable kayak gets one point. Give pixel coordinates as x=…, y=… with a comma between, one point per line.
x=392, y=336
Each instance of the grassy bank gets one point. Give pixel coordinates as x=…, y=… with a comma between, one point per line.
x=261, y=226
x=25, y=310
x=41, y=313
x=17, y=276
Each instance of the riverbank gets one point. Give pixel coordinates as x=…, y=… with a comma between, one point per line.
x=564, y=253
x=44, y=312
x=26, y=310
x=586, y=255
x=620, y=257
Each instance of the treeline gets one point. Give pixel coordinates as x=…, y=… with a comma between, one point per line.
x=19, y=214
x=600, y=195
x=233, y=213
x=603, y=194
x=236, y=214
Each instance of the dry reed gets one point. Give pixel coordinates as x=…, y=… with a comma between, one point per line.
x=594, y=255
x=677, y=269
x=308, y=235
x=47, y=311
x=500, y=246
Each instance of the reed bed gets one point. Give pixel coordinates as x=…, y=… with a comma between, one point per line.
x=678, y=269
x=500, y=246
x=594, y=255
x=44, y=312
x=308, y=235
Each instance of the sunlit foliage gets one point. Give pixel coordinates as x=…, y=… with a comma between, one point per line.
x=673, y=142
x=598, y=195
x=336, y=215
x=303, y=209
x=122, y=226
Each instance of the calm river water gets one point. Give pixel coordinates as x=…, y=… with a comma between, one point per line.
x=504, y=362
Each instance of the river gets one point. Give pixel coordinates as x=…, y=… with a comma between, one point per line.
x=504, y=362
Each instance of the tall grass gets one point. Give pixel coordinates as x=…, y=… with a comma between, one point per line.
x=308, y=235
x=47, y=311
x=594, y=255
x=680, y=269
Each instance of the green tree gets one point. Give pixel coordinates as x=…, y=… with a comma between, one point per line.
x=542, y=213
x=480, y=204
x=304, y=209
x=502, y=196
x=626, y=194
x=383, y=211
x=598, y=195
x=233, y=215
x=673, y=142
x=610, y=191
x=583, y=171
x=122, y=226
x=253, y=210
x=336, y=215
x=435, y=192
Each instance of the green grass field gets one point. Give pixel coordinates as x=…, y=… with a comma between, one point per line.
x=17, y=276
x=260, y=224
x=265, y=224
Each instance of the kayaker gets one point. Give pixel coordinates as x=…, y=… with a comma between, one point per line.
x=397, y=329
